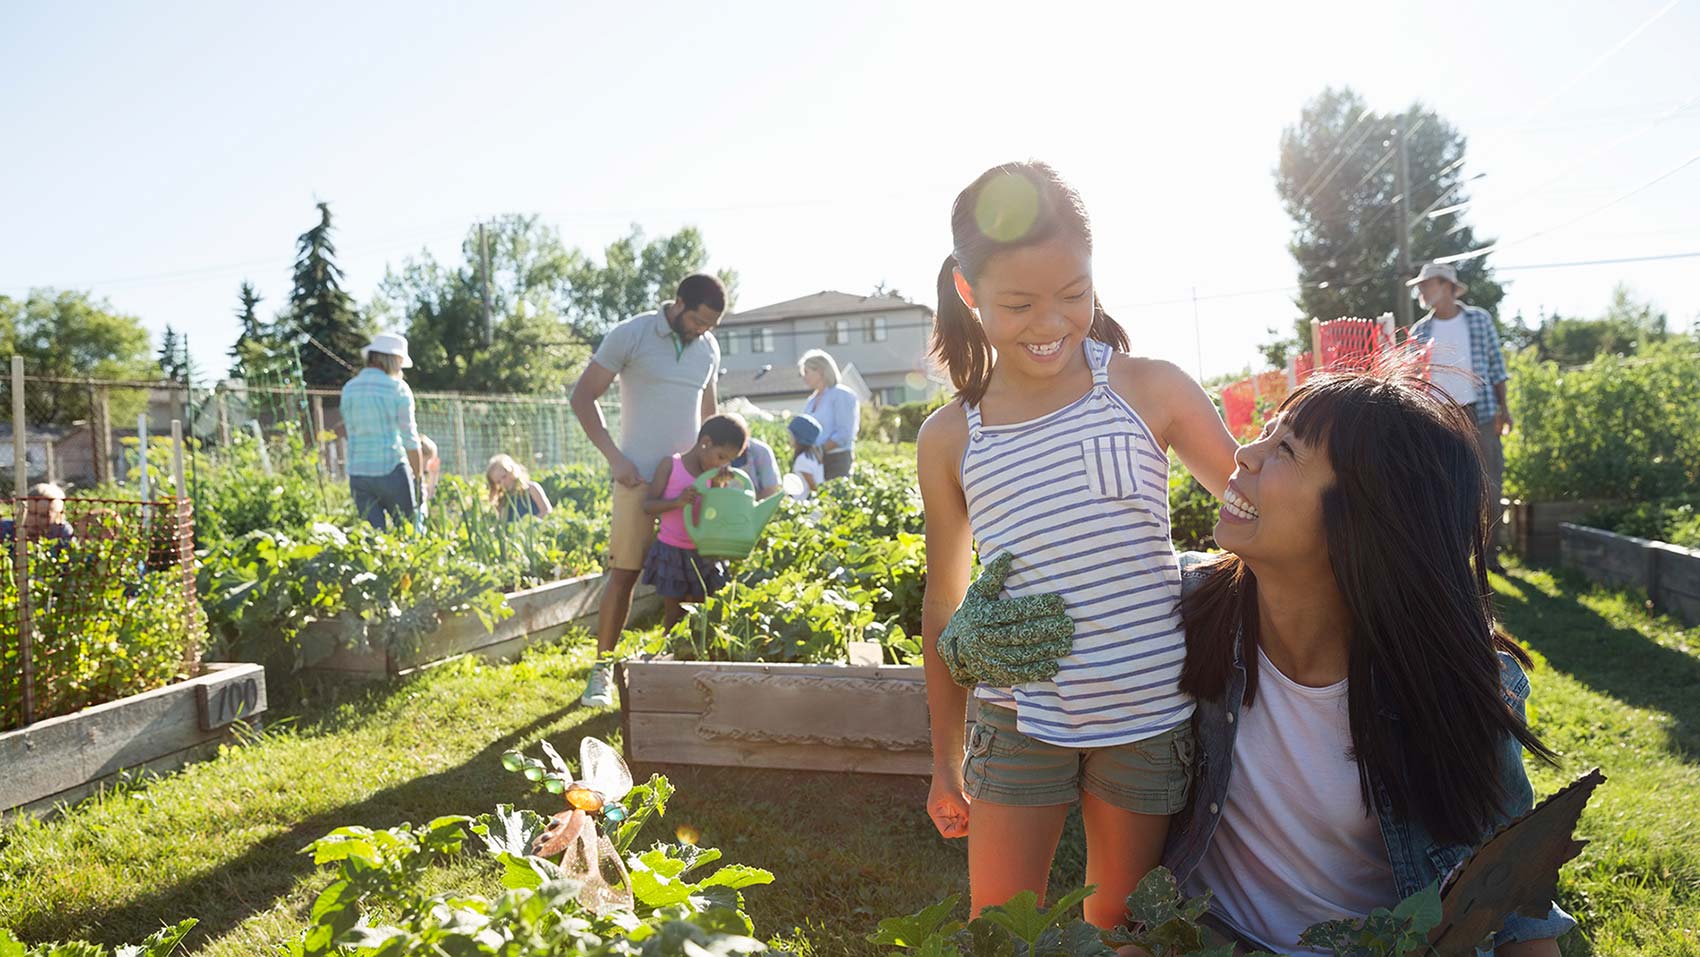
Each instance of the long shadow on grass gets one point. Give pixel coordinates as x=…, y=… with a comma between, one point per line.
x=1613, y=660
x=224, y=897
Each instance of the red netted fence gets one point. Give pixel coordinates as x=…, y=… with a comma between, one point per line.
x=1342, y=345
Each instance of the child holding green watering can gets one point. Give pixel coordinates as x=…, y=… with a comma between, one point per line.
x=673, y=566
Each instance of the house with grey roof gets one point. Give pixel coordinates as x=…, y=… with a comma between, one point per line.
x=880, y=343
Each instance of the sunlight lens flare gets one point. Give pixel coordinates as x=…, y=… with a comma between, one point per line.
x=1006, y=208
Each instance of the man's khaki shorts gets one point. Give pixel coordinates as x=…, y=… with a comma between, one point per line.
x=630, y=531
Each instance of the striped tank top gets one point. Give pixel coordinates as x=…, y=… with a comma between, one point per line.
x=1081, y=498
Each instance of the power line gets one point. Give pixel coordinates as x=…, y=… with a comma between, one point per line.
x=1601, y=262
x=1667, y=174
x=1557, y=92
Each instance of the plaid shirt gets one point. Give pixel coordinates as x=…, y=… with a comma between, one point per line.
x=1487, y=360
x=378, y=413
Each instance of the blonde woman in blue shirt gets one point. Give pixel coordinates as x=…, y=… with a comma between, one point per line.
x=384, y=459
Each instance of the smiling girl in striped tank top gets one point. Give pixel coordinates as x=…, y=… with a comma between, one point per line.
x=1056, y=453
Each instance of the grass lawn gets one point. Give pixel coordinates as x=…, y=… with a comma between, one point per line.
x=220, y=841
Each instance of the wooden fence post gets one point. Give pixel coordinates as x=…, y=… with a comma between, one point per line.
x=183, y=540
x=260, y=438
x=1318, y=363
x=20, y=548
x=52, y=464
x=318, y=430
x=460, y=438
x=103, y=435
x=223, y=419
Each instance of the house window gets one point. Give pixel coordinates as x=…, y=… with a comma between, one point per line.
x=837, y=332
x=730, y=344
x=761, y=340
x=875, y=331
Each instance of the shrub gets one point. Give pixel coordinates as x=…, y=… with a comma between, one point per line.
x=1676, y=521
x=104, y=626
x=1616, y=428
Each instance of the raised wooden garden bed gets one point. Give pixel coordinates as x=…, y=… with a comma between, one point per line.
x=66, y=758
x=1669, y=574
x=1532, y=528
x=806, y=717
x=540, y=614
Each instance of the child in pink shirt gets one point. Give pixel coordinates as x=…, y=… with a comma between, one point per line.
x=673, y=566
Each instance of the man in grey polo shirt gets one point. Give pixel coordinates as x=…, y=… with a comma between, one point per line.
x=666, y=362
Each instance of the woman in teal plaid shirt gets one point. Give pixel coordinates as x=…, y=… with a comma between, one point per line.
x=384, y=460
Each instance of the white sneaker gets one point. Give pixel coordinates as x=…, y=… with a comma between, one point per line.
x=599, y=689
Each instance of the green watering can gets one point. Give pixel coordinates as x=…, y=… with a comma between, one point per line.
x=726, y=522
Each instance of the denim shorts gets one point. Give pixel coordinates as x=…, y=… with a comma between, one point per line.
x=1004, y=766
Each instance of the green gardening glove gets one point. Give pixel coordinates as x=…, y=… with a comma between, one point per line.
x=1004, y=641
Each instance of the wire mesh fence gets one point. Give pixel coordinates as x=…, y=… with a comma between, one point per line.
x=467, y=430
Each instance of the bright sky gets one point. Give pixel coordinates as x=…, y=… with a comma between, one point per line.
x=160, y=153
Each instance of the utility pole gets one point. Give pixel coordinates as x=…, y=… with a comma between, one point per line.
x=1197, y=336
x=1402, y=295
x=484, y=259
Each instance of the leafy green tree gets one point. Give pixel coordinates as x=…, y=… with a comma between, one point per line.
x=70, y=335
x=1628, y=327
x=636, y=276
x=1337, y=180
x=529, y=348
x=549, y=304
x=320, y=310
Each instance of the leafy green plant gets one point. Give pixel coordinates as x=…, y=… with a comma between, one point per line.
x=1192, y=510
x=681, y=907
x=360, y=588
x=1162, y=922
x=1019, y=928
x=104, y=622
x=522, y=552
x=161, y=943
x=1676, y=521
x=848, y=565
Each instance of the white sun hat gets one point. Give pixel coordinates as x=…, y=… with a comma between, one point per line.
x=389, y=343
x=1440, y=271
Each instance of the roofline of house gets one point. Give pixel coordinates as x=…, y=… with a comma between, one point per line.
x=763, y=315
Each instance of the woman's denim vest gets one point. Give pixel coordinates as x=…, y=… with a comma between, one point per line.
x=1418, y=860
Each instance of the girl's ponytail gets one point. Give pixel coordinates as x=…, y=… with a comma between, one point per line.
x=1107, y=330
x=959, y=342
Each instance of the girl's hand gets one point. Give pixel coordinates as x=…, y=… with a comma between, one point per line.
x=947, y=804
x=688, y=497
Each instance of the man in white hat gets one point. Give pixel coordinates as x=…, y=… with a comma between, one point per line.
x=384, y=460
x=1467, y=363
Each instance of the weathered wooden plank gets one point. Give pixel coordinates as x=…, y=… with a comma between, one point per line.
x=60, y=755
x=817, y=707
x=535, y=610
x=670, y=686
x=227, y=695
x=662, y=738
x=1607, y=556
x=1669, y=574
x=540, y=614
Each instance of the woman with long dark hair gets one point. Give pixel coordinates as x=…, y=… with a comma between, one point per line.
x=1360, y=715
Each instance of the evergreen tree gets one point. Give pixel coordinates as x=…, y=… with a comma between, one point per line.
x=1337, y=179
x=321, y=316
x=258, y=348
x=170, y=357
